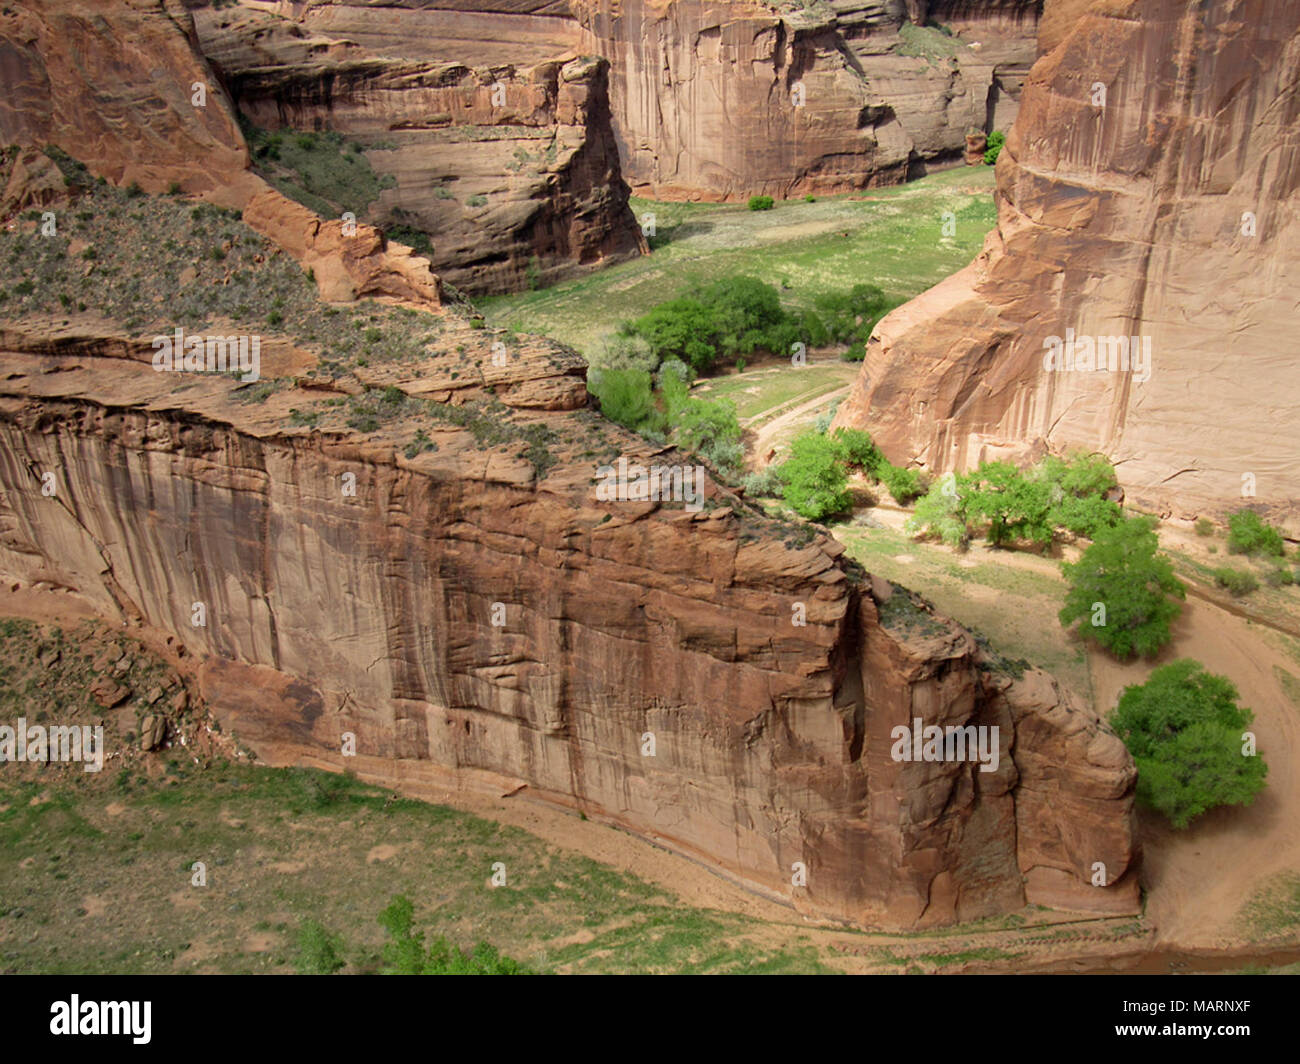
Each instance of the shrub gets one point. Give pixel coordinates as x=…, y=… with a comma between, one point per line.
x=810, y=198
x=993, y=147
x=855, y=352
x=624, y=396
x=624, y=351
x=1184, y=730
x=1237, y=582
x=476, y=201
x=1204, y=527
x=706, y=426
x=814, y=478
x=1248, y=534
x=765, y=483
x=1277, y=576
x=761, y=203
x=903, y=484
x=1123, y=590
x=419, y=444
x=674, y=368
x=939, y=514
x=404, y=952
x=317, y=950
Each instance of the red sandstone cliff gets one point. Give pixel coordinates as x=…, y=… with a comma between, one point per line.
x=1170, y=212
x=373, y=614
x=503, y=152
x=721, y=101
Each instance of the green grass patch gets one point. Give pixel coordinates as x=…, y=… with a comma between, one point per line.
x=891, y=238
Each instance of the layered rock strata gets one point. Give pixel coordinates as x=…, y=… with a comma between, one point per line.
x=1149, y=212
x=478, y=619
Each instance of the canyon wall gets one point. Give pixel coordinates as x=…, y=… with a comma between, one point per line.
x=715, y=101
x=124, y=92
x=726, y=100
x=375, y=613
x=1148, y=190
x=502, y=151
x=526, y=192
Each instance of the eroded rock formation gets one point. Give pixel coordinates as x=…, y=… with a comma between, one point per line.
x=721, y=101
x=503, y=154
x=373, y=613
x=1148, y=189
x=707, y=100
x=124, y=91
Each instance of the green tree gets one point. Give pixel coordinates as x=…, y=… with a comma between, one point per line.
x=1184, y=729
x=681, y=328
x=814, y=477
x=856, y=448
x=903, y=484
x=850, y=316
x=1123, y=590
x=1009, y=505
x=939, y=513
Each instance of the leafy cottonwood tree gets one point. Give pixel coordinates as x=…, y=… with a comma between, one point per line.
x=1185, y=731
x=1124, y=591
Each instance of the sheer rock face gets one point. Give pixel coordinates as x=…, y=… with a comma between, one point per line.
x=726, y=100
x=112, y=84
x=702, y=95
x=374, y=614
x=511, y=165
x=1167, y=211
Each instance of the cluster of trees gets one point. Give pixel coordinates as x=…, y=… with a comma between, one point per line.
x=660, y=407
x=1005, y=505
x=814, y=479
x=1184, y=727
x=734, y=317
x=320, y=952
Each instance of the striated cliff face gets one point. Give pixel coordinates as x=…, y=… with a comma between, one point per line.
x=504, y=154
x=1165, y=211
x=702, y=95
x=721, y=101
x=373, y=613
